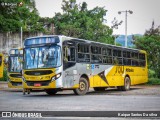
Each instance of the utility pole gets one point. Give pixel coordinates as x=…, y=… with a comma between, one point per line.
x=126, y=12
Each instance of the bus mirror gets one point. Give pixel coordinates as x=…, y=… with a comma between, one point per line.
x=65, y=53
x=21, y=72
x=6, y=60
x=20, y=49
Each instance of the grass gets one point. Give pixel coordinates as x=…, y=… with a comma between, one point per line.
x=153, y=81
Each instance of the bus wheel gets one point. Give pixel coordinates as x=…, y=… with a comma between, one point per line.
x=83, y=87
x=127, y=84
x=99, y=88
x=51, y=91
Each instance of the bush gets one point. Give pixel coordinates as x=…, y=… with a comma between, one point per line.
x=5, y=77
x=151, y=73
x=153, y=81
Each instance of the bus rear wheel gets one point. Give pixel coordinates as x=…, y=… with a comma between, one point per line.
x=99, y=88
x=83, y=87
x=127, y=84
x=51, y=91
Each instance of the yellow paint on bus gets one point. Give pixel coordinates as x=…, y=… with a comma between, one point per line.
x=1, y=65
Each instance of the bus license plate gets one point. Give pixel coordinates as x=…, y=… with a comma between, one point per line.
x=37, y=84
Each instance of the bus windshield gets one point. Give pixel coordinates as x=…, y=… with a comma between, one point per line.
x=42, y=57
x=14, y=64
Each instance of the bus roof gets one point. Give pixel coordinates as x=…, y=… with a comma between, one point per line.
x=87, y=41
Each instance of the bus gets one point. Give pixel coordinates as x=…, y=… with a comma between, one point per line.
x=1, y=65
x=56, y=63
x=14, y=68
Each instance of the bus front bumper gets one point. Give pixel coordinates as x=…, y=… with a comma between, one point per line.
x=14, y=84
x=39, y=84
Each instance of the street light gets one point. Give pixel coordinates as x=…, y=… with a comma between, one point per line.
x=127, y=11
x=20, y=5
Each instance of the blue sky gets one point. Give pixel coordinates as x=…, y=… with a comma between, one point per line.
x=144, y=12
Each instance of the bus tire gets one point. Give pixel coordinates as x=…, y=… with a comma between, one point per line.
x=51, y=91
x=99, y=88
x=127, y=84
x=83, y=87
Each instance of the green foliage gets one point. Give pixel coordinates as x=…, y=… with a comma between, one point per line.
x=118, y=44
x=19, y=13
x=78, y=21
x=154, y=81
x=151, y=43
x=151, y=73
x=4, y=78
x=48, y=25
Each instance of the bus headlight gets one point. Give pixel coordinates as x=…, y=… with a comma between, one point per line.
x=56, y=76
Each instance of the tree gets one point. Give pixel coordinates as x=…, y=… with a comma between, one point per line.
x=19, y=13
x=77, y=21
x=151, y=43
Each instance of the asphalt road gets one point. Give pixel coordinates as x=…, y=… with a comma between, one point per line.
x=139, y=98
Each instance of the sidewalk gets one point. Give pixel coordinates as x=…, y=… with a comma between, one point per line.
x=3, y=82
x=3, y=85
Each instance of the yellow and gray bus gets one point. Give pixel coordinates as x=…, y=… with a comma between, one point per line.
x=14, y=68
x=55, y=63
x=1, y=65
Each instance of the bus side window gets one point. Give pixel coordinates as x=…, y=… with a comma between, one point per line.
x=142, y=61
x=83, y=53
x=69, y=53
x=126, y=58
x=117, y=56
x=72, y=54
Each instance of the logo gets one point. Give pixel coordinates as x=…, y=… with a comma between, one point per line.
x=129, y=70
x=21, y=114
x=6, y=114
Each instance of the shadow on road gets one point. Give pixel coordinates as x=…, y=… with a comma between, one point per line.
x=68, y=93
x=135, y=90
x=112, y=91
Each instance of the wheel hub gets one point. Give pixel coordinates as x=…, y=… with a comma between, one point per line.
x=82, y=86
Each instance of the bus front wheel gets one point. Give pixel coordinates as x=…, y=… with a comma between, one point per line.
x=51, y=91
x=83, y=87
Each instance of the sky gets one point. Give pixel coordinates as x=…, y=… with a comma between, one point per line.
x=144, y=12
